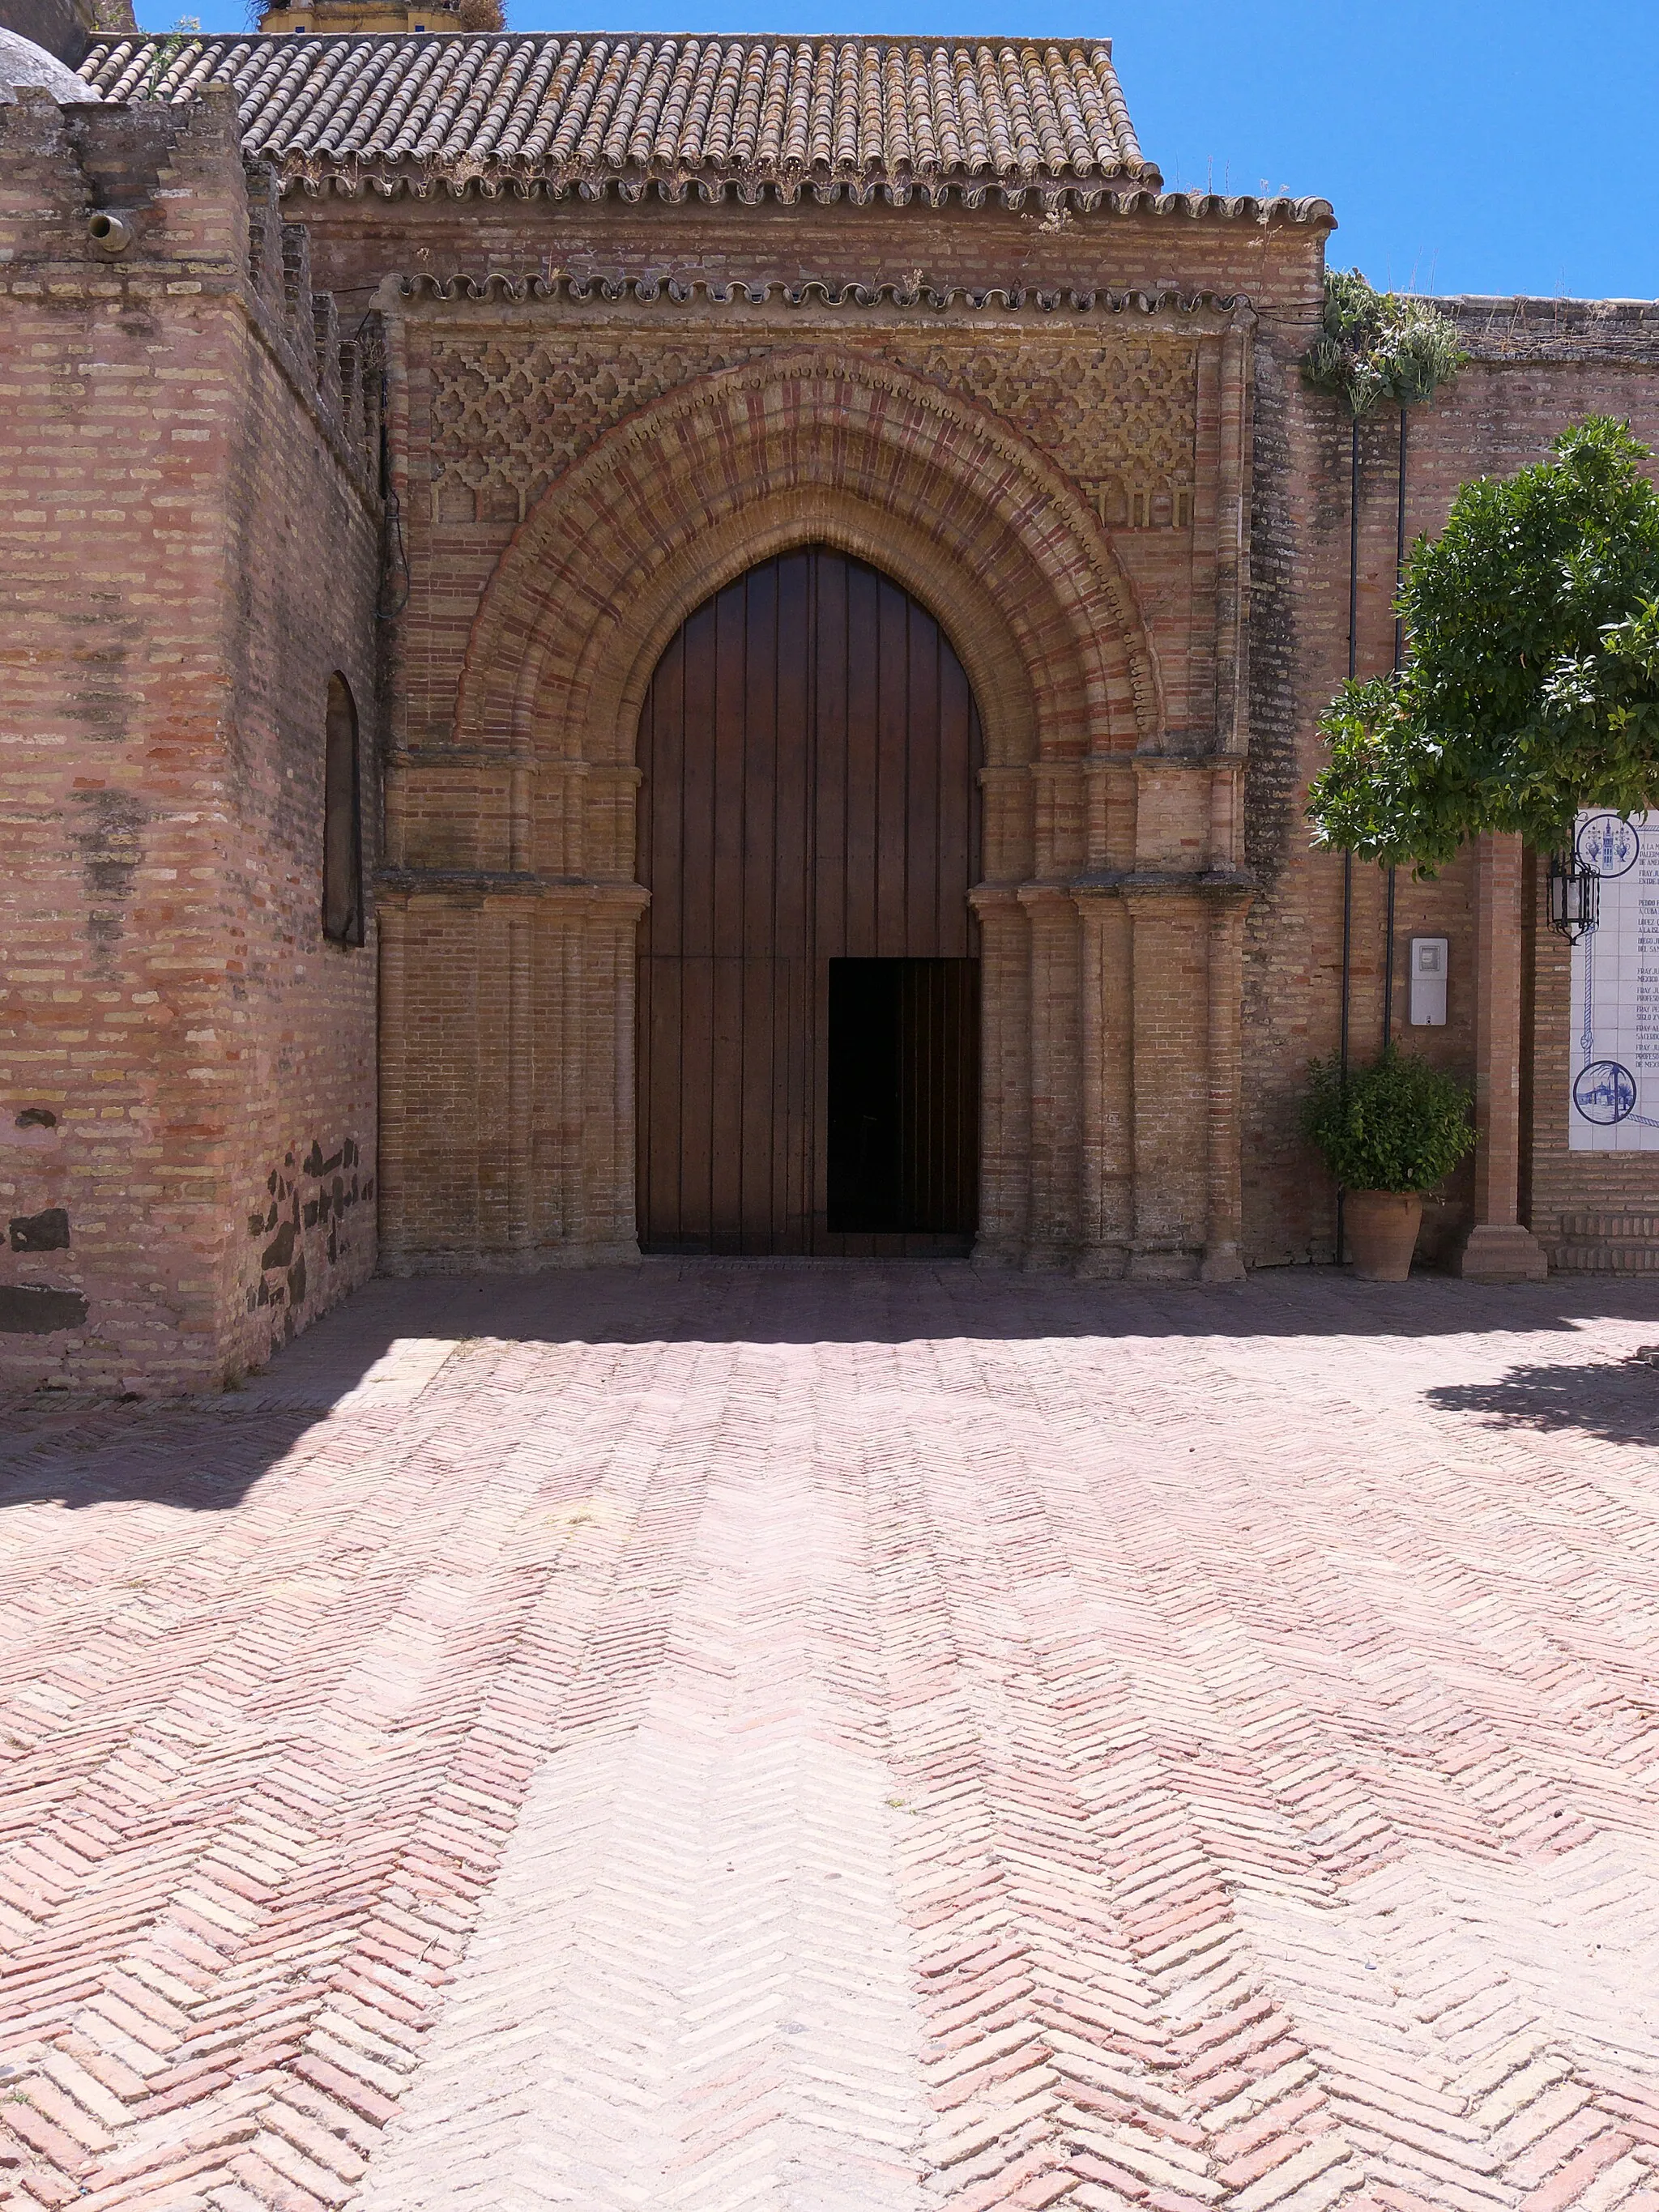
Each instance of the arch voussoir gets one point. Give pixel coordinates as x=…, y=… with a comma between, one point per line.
x=556, y=635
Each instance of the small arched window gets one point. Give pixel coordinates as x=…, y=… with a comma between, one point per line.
x=342, y=842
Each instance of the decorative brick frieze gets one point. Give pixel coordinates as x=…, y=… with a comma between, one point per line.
x=509, y=416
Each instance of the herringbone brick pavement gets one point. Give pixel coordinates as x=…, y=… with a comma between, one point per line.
x=845, y=1739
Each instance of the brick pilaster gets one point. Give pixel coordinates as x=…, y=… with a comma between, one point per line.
x=1498, y=1249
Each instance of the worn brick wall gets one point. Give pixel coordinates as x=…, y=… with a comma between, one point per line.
x=1537, y=366
x=234, y=1134
x=188, y=549
x=494, y=400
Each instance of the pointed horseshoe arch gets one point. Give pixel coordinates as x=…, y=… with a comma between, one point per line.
x=838, y=449
x=800, y=447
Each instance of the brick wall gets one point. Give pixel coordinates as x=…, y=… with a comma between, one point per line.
x=189, y=547
x=1537, y=366
x=193, y=1066
x=1293, y=962
x=497, y=397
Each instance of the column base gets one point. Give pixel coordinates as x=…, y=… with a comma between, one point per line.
x=995, y=1255
x=1163, y=1267
x=1501, y=1252
x=1221, y=1264
x=1102, y=1263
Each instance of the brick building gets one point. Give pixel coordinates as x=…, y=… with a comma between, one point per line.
x=803, y=580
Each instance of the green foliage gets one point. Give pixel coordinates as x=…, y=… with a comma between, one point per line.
x=1339, y=360
x=1400, y=1125
x=167, y=50
x=1372, y=346
x=1533, y=687
x=1417, y=350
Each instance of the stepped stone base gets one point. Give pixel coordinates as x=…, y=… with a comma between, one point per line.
x=1505, y=1252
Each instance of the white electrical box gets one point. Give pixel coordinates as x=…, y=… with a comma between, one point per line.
x=1428, y=982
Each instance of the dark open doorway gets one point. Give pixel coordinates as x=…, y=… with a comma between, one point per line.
x=903, y=1098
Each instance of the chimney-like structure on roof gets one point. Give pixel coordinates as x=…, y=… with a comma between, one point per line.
x=398, y=18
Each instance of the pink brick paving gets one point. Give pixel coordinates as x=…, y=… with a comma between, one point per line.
x=841, y=1738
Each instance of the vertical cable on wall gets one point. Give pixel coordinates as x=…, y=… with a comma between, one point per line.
x=1399, y=658
x=1347, y=857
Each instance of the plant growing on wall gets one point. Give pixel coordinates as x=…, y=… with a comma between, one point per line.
x=1372, y=347
x=1339, y=360
x=169, y=49
x=1533, y=686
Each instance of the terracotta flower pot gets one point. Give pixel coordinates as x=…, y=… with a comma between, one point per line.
x=1382, y=1228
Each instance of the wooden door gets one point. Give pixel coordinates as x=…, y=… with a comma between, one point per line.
x=810, y=749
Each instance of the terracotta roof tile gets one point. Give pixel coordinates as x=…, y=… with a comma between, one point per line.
x=892, y=116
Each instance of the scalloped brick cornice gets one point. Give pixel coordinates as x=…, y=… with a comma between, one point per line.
x=501, y=290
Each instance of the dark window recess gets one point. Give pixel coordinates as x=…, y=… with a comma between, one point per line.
x=903, y=1097
x=342, y=828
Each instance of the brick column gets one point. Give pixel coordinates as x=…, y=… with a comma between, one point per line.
x=1108, y=1136
x=1005, y=1189
x=521, y=1079
x=1223, y=1262
x=604, y=1006
x=1498, y=1249
x=1170, y=968
x=1056, y=1130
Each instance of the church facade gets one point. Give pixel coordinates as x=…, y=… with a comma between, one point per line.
x=704, y=645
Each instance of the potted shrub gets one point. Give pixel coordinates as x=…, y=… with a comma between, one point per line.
x=1388, y=1132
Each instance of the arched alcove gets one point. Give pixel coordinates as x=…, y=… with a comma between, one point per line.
x=342, y=837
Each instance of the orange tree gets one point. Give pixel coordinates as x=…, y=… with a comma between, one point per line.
x=1532, y=689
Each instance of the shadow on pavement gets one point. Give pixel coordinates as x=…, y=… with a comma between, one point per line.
x=901, y=1301
x=379, y=1350
x=1616, y=1400
x=187, y=1455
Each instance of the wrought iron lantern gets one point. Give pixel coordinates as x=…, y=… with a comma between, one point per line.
x=1574, y=896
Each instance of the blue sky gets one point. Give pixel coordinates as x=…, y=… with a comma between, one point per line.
x=1468, y=146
